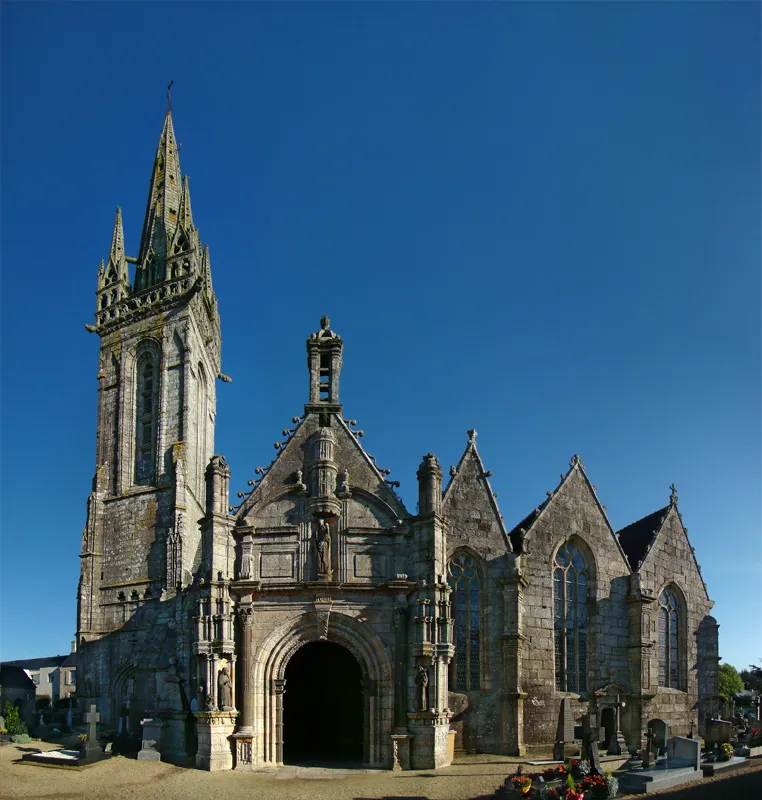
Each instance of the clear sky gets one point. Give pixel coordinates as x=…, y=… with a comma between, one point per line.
x=539, y=220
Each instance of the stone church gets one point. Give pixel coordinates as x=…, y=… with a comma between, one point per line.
x=320, y=619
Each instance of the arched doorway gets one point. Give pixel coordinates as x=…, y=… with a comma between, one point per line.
x=322, y=705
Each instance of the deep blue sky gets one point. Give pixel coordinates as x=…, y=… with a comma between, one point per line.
x=539, y=220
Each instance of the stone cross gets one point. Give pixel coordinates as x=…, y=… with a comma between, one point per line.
x=92, y=718
x=92, y=749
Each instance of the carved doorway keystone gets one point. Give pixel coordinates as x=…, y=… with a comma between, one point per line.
x=323, y=706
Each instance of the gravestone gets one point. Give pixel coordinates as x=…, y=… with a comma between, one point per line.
x=92, y=751
x=683, y=752
x=718, y=731
x=151, y=735
x=660, y=731
x=590, y=734
x=565, y=731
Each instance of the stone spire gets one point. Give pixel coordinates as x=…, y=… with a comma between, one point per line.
x=162, y=210
x=114, y=278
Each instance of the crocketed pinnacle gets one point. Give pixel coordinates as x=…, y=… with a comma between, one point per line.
x=116, y=271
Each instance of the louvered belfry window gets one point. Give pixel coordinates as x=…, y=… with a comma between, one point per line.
x=669, y=670
x=464, y=577
x=570, y=619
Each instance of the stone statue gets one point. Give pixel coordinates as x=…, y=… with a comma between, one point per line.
x=322, y=545
x=343, y=488
x=224, y=690
x=422, y=682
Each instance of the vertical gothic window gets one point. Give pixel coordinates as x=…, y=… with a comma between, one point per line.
x=669, y=671
x=570, y=619
x=146, y=417
x=202, y=420
x=464, y=577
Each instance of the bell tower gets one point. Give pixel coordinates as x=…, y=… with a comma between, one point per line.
x=159, y=358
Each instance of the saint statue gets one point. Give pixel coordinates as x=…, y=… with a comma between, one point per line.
x=422, y=681
x=322, y=545
x=224, y=690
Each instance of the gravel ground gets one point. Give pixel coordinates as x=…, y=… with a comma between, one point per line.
x=121, y=778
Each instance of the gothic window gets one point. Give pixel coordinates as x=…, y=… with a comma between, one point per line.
x=202, y=409
x=465, y=582
x=669, y=626
x=146, y=417
x=570, y=619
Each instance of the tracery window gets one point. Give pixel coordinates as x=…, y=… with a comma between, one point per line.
x=464, y=577
x=570, y=619
x=669, y=669
x=146, y=417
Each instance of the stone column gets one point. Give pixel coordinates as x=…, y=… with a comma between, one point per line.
x=245, y=745
x=279, y=688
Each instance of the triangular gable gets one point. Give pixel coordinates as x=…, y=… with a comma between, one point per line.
x=670, y=512
x=471, y=466
x=279, y=477
x=524, y=527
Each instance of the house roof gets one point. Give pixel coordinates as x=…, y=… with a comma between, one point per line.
x=638, y=537
x=71, y=660
x=36, y=663
x=13, y=677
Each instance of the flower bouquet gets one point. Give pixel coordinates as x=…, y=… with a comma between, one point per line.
x=521, y=784
x=726, y=752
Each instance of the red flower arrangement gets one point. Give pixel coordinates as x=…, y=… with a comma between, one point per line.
x=521, y=783
x=596, y=785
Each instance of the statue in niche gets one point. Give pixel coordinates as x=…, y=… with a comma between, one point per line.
x=322, y=545
x=224, y=690
x=422, y=682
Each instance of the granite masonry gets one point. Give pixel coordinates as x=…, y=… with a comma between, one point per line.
x=319, y=619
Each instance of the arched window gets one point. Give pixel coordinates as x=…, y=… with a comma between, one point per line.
x=202, y=423
x=669, y=627
x=570, y=619
x=464, y=577
x=146, y=417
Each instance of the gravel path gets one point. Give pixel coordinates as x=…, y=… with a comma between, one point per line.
x=123, y=778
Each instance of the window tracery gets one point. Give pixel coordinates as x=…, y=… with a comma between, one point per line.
x=570, y=624
x=465, y=580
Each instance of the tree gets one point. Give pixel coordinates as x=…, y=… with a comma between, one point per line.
x=752, y=678
x=730, y=682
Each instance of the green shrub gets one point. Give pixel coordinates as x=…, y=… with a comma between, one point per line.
x=42, y=701
x=13, y=722
x=21, y=738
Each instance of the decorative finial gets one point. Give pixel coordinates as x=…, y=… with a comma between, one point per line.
x=325, y=323
x=169, y=96
x=575, y=461
x=471, y=435
x=673, y=495
x=453, y=471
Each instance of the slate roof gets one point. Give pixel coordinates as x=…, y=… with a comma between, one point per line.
x=36, y=663
x=71, y=660
x=637, y=537
x=12, y=677
x=525, y=523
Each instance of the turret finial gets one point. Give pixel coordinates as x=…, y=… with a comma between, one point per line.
x=169, y=96
x=325, y=323
x=472, y=435
x=673, y=495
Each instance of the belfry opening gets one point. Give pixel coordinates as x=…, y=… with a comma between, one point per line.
x=323, y=706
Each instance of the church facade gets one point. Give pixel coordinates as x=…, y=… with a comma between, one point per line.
x=320, y=619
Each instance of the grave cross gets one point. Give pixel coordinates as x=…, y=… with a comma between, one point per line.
x=92, y=747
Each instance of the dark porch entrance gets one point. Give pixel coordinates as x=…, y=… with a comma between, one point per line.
x=322, y=706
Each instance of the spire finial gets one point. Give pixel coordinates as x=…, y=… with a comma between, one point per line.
x=472, y=436
x=325, y=323
x=673, y=495
x=169, y=96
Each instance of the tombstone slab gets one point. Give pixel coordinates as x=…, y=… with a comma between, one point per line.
x=565, y=731
x=151, y=740
x=92, y=750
